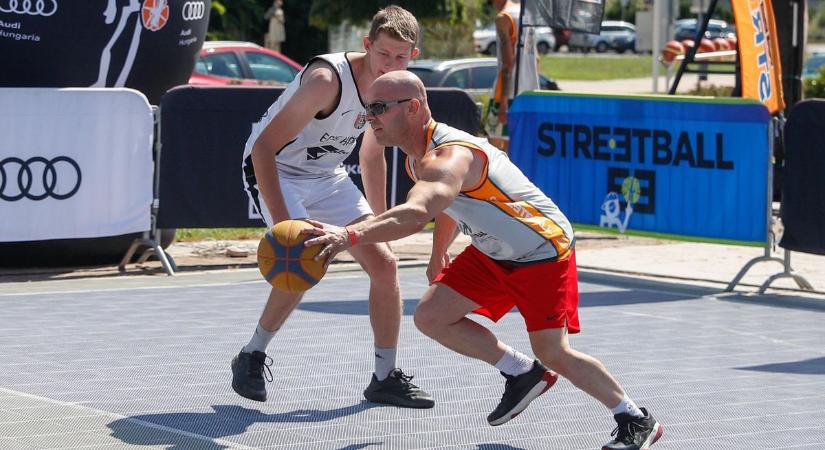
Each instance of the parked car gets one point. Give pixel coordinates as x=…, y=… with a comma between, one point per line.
x=686, y=29
x=476, y=76
x=615, y=35
x=228, y=62
x=484, y=40
x=813, y=66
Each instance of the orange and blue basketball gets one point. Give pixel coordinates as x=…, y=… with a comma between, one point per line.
x=284, y=261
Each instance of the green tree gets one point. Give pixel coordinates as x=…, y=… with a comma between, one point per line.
x=816, y=24
x=814, y=87
x=613, y=10
x=243, y=20
x=446, y=25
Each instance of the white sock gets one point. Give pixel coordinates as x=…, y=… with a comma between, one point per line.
x=260, y=339
x=627, y=406
x=514, y=363
x=384, y=362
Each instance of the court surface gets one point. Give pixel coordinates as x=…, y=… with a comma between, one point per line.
x=143, y=362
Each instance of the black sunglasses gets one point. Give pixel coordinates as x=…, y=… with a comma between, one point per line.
x=378, y=108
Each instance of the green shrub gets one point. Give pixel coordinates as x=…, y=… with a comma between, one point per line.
x=814, y=87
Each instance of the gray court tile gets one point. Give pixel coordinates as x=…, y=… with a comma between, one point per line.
x=149, y=368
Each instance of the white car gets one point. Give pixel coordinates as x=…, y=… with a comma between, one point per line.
x=615, y=35
x=484, y=39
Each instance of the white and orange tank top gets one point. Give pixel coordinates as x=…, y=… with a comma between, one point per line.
x=507, y=217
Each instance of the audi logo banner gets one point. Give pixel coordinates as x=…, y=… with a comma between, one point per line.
x=148, y=45
x=74, y=163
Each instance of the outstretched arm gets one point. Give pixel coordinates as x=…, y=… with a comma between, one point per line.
x=441, y=176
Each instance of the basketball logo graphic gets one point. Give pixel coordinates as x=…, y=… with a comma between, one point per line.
x=155, y=14
x=631, y=190
x=611, y=216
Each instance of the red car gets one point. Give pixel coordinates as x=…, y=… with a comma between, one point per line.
x=226, y=62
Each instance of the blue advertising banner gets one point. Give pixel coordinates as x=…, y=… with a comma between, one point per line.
x=694, y=167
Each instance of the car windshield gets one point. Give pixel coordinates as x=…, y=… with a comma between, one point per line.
x=269, y=68
x=428, y=77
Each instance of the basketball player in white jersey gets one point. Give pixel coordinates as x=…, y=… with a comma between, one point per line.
x=522, y=254
x=293, y=170
x=507, y=32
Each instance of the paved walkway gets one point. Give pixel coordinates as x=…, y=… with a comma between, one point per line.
x=689, y=262
x=688, y=83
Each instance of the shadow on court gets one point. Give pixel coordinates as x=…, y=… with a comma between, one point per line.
x=586, y=299
x=176, y=430
x=814, y=366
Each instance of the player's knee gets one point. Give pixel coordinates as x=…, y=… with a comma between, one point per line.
x=383, y=266
x=426, y=319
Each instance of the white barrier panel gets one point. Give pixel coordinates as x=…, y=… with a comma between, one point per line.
x=74, y=163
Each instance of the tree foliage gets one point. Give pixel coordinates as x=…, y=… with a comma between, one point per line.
x=816, y=24
x=332, y=12
x=447, y=25
x=814, y=87
x=237, y=20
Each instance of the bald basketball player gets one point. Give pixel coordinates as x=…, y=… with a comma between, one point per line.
x=522, y=254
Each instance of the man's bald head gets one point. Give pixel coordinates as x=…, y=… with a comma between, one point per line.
x=397, y=85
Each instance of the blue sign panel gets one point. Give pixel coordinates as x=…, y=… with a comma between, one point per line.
x=690, y=167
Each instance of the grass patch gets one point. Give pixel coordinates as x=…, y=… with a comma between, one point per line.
x=596, y=67
x=667, y=236
x=218, y=234
x=229, y=234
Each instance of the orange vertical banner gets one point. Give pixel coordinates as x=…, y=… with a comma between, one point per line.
x=759, y=52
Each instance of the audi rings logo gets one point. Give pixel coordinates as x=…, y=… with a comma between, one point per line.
x=193, y=10
x=38, y=178
x=43, y=8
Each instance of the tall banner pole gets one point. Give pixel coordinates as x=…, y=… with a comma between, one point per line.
x=519, y=47
x=657, y=42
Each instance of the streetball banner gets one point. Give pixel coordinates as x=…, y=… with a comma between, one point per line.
x=74, y=163
x=683, y=166
x=759, y=52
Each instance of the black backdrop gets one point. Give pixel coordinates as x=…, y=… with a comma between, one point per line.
x=803, y=191
x=203, y=133
x=70, y=43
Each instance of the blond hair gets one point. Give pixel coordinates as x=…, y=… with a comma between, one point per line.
x=397, y=22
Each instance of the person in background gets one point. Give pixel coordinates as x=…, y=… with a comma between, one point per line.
x=276, y=33
x=507, y=32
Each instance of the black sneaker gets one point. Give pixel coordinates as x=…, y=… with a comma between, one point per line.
x=397, y=390
x=248, y=371
x=520, y=390
x=634, y=433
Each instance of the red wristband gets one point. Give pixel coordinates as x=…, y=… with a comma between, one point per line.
x=353, y=239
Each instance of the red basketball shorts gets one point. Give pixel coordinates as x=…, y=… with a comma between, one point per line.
x=546, y=294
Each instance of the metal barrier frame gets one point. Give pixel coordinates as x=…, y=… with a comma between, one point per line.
x=151, y=238
x=787, y=271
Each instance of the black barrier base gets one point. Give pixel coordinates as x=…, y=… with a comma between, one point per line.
x=72, y=252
